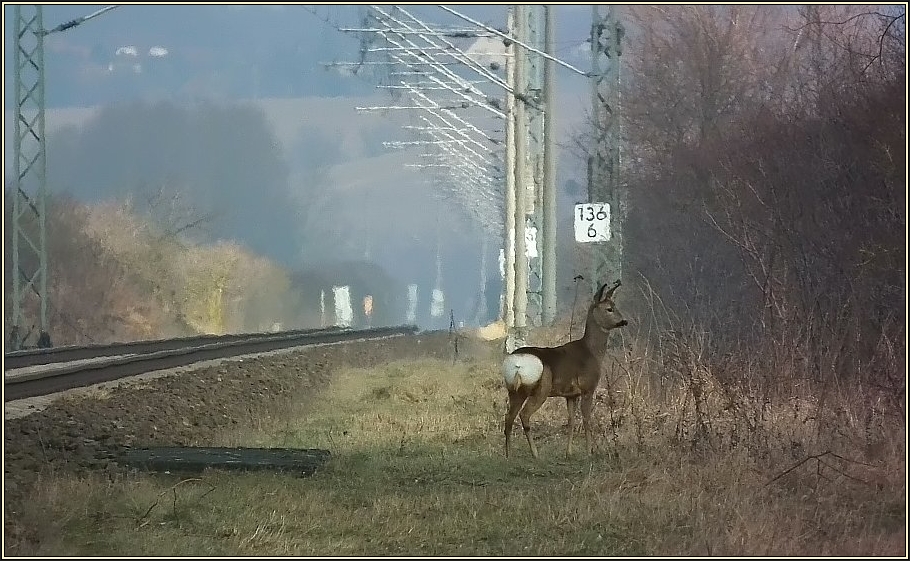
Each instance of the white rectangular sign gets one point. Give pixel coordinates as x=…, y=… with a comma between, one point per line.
x=438, y=303
x=592, y=222
x=411, y=317
x=344, y=314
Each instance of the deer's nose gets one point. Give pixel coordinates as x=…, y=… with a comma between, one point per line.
x=622, y=323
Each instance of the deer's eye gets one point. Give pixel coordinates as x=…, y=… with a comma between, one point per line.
x=609, y=309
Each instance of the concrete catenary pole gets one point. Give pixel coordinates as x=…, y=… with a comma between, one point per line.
x=534, y=115
x=509, y=167
x=548, y=235
x=521, y=206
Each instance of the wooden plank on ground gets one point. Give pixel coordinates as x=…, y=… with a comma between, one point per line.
x=195, y=459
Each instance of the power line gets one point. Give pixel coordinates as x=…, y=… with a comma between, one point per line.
x=519, y=43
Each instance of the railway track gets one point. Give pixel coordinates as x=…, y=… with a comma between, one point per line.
x=104, y=363
x=35, y=357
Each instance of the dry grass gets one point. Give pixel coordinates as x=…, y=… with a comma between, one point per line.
x=417, y=469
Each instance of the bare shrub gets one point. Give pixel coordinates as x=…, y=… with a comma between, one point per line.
x=767, y=226
x=92, y=297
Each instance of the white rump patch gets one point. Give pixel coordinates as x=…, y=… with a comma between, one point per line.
x=527, y=366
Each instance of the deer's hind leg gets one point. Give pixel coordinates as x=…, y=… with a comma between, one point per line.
x=516, y=400
x=531, y=406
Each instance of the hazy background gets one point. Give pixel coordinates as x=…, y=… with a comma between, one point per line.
x=232, y=114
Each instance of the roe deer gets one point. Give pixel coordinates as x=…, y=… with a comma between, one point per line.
x=572, y=370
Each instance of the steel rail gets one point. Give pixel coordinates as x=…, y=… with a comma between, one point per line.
x=35, y=357
x=67, y=377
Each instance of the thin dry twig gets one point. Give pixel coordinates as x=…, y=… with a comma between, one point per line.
x=819, y=458
x=793, y=467
x=144, y=518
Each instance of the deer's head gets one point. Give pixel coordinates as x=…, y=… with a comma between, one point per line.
x=603, y=312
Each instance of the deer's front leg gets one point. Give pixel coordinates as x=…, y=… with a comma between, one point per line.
x=587, y=403
x=571, y=403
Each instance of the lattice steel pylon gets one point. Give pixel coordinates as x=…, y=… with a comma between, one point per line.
x=29, y=234
x=604, y=162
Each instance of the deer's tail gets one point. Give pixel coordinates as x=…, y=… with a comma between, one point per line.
x=515, y=383
x=521, y=370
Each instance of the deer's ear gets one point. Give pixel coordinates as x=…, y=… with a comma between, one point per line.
x=600, y=294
